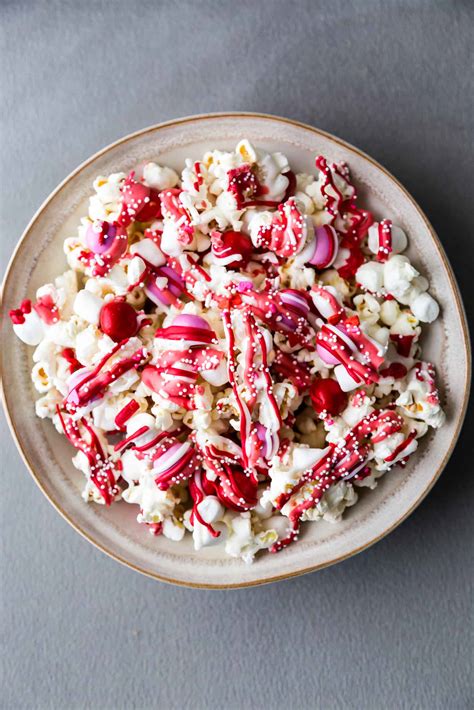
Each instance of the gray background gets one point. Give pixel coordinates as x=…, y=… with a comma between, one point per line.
x=387, y=629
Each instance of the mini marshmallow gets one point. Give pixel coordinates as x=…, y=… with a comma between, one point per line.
x=399, y=239
x=210, y=510
x=346, y=382
x=88, y=306
x=135, y=271
x=425, y=308
x=149, y=251
x=32, y=330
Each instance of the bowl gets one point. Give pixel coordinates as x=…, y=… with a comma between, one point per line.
x=39, y=257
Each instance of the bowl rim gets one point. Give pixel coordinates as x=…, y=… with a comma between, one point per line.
x=459, y=306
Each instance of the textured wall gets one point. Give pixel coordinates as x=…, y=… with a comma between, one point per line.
x=387, y=629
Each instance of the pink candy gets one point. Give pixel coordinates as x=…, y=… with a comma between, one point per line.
x=139, y=202
x=109, y=242
x=295, y=301
x=106, y=238
x=174, y=462
x=327, y=356
x=287, y=232
x=326, y=246
x=164, y=295
x=269, y=441
x=192, y=329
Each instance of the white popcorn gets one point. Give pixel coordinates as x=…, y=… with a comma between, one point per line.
x=242, y=541
x=268, y=416
x=389, y=312
x=42, y=376
x=371, y=276
x=155, y=504
x=333, y=503
x=271, y=169
x=159, y=177
x=259, y=220
x=45, y=406
x=106, y=203
x=419, y=398
x=398, y=275
x=173, y=529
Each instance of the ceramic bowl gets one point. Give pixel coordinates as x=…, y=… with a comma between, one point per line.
x=39, y=257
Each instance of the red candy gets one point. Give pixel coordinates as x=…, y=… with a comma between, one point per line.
x=396, y=370
x=228, y=244
x=139, y=202
x=118, y=320
x=327, y=396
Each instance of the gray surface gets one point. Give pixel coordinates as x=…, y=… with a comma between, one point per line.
x=387, y=629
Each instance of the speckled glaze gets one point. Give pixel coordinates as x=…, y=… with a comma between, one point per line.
x=39, y=257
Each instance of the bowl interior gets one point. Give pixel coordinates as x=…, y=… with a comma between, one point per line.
x=39, y=258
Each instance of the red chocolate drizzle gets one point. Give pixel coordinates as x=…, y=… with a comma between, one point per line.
x=339, y=463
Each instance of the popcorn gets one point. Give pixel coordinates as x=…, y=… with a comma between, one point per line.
x=371, y=276
x=419, y=398
x=106, y=203
x=159, y=177
x=42, y=376
x=210, y=367
x=242, y=541
x=155, y=505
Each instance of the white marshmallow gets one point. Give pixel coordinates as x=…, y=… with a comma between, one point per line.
x=136, y=268
x=210, y=510
x=88, y=306
x=425, y=308
x=31, y=331
x=346, y=382
x=399, y=239
x=149, y=251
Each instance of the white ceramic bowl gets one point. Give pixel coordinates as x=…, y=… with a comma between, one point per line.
x=39, y=257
